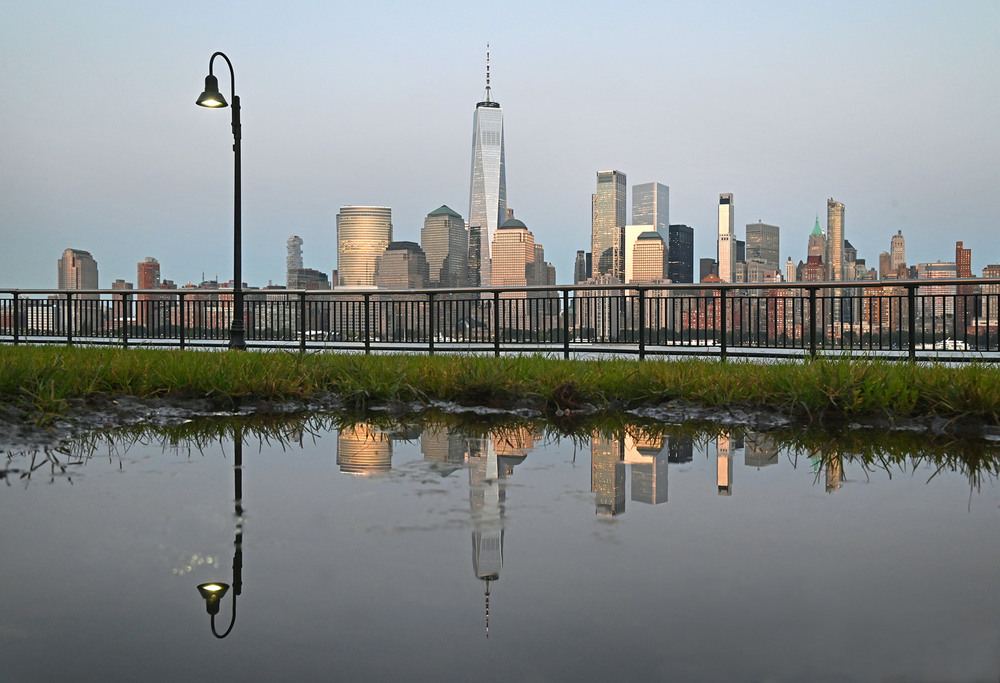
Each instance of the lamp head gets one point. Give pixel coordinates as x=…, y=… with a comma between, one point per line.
x=211, y=97
x=212, y=593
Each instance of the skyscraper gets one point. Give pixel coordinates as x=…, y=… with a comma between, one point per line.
x=680, y=254
x=445, y=242
x=402, y=265
x=651, y=206
x=148, y=274
x=580, y=270
x=363, y=233
x=293, y=257
x=513, y=251
x=648, y=258
x=817, y=243
x=727, y=238
x=77, y=269
x=897, y=251
x=835, y=239
x=608, y=224
x=763, y=243
x=488, y=182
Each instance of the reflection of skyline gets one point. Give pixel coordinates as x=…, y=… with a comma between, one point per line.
x=640, y=456
x=363, y=449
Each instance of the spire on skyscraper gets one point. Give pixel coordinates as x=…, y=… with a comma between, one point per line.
x=488, y=72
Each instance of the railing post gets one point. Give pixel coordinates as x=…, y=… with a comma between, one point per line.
x=181, y=320
x=69, y=319
x=367, y=325
x=496, y=323
x=812, y=322
x=430, y=323
x=17, y=318
x=303, y=323
x=723, y=323
x=642, y=324
x=911, y=304
x=565, y=294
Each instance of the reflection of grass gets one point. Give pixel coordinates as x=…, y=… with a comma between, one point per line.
x=873, y=450
x=47, y=379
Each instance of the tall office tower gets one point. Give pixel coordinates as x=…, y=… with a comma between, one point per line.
x=648, y=261
x=680, y=254
x=897, y=251
x=835, y=239
x=791, y=271
x=513, y=251
x=293, y=257
x=537, y=272
x=77, y=269
x=727, y=238
x=651, y=206
x=707, y=267
x=608, y=224
x=580, y=270
x=488, y=183
x=148, y=277
x=763, y=244
x=401, y=266
x=965, y=303
x=963, y=261
x=817, y=243
x=148, y=274
x=363, y=233
x=883, y=265
x=445, y=242
x=631, y=234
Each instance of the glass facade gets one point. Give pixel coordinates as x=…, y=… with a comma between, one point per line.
x=680, y=254
x=651, y=206
x=488, y=182
x=608, y=224
x=363, y=233
x=763, y=243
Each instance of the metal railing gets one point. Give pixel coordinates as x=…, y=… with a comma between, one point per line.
x=954, y=319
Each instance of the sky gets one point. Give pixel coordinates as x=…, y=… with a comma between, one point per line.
x=892, y=108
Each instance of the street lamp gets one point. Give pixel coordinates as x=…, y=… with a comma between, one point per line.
x=211, y=97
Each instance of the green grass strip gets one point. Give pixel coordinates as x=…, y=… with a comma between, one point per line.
x=48, y=379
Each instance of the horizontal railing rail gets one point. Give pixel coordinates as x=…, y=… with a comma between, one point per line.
x=944, y=319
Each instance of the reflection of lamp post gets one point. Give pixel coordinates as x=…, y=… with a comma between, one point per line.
x=214, y=592
x=213, y=98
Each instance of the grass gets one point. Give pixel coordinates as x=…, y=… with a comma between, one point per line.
x=46, y=381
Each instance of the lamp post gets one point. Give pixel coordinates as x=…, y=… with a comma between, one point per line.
x=211, y=97
x=213, y=592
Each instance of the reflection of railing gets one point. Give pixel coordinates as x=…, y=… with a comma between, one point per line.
x=910, y=319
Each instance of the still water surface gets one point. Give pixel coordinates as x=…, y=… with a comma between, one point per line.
x=424, y=552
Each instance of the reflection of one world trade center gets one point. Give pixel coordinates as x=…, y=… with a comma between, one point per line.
x=490, y=461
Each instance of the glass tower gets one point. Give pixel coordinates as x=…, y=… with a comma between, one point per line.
x=651, y=206
x=363, y=233
x=488, y=182
x=608, y=225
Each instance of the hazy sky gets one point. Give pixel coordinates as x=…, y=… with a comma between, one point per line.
x=890, y=107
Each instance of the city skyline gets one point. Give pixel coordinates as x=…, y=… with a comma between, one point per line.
x=151, y=175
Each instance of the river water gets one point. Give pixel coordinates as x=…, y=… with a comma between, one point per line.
x=429, y=550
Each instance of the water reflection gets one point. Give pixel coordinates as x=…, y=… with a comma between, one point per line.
x=369, y=519
x=213, y=592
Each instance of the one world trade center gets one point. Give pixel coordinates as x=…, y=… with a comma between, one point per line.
x=488, y=184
